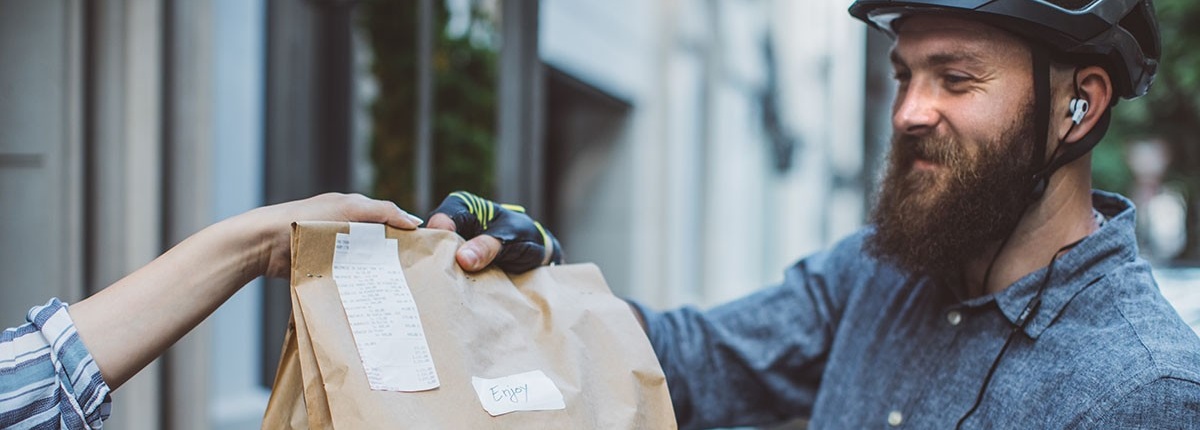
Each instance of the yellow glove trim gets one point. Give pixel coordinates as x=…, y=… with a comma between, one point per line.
x=481, y=208
x=514, y=208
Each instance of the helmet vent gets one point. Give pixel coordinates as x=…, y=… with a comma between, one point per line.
x=1072, y=4
x=1140, y=24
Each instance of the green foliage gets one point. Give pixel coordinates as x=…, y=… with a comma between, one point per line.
x=464, y=106
x=1171, y=111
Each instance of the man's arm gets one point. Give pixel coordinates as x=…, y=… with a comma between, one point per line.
x=759, y=359
x=1163, y=403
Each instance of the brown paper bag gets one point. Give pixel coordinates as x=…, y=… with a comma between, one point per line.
x=560, y=320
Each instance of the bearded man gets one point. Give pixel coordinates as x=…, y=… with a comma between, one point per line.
x=994, y=288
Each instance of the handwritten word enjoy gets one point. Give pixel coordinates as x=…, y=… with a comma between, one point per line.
x=516, y=394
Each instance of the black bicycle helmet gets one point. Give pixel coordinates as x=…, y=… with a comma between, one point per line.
x=1119, y=35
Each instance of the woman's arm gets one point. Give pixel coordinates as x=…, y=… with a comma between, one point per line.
x=133, y=321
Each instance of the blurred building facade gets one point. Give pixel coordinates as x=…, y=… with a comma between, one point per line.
x=696, y=148
x=131, y=124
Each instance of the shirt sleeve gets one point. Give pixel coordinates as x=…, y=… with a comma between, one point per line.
x=1163, y=403
x=47, y=376
x=759, y=359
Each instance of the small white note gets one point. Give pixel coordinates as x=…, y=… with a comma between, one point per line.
x=381, y=311
x=529, y=391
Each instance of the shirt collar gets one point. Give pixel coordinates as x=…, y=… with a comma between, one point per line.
x=1080, y=267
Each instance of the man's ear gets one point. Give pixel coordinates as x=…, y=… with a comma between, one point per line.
x=1095, y=88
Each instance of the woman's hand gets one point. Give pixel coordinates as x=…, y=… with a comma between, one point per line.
x=275, y=223
x=130, y=323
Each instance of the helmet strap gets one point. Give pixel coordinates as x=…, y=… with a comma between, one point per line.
x=1072, y=152
x=1041, y=120
x=1063, y=154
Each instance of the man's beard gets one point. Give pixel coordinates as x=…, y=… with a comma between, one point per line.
x=930, y=222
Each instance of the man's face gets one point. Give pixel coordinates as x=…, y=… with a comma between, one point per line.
x=962, y=137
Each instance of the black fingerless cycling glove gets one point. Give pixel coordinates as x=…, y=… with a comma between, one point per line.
x=525, y=244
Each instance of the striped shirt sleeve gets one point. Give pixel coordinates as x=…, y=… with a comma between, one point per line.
x=48, y=378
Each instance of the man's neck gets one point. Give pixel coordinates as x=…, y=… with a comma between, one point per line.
x=1061, y=217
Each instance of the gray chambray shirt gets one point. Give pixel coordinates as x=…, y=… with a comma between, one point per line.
x=852, y=343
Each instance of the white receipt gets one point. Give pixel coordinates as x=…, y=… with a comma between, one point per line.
x=529, y=391
x=381, y=311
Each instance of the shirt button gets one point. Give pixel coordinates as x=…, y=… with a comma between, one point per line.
x=954, y=317
x=895, y=418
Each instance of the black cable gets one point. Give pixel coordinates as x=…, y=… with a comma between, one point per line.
x=1030, y=308
x=1022, y=321
x=1041, y=178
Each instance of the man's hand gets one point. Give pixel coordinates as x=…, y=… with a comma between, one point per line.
x=498, y=233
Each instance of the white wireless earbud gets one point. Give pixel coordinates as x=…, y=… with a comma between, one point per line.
x=1078, y=108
